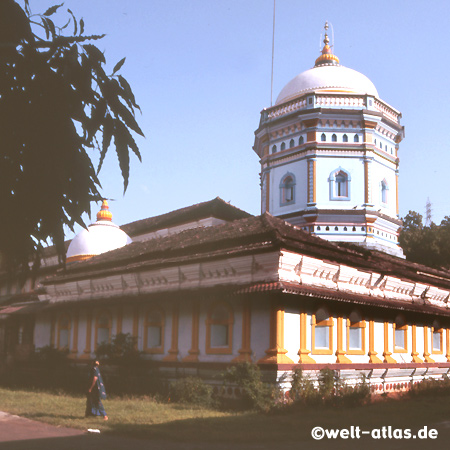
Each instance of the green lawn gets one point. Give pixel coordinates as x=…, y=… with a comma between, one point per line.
x=146, y=418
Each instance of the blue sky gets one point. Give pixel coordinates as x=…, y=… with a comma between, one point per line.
x=201, y=69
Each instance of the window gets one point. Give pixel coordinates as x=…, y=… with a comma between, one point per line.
x=333, y=138
x=384, y=192
x=154, y=331
x=283, y=146
x=291, y=143
x=345, y=138
x=287, y=188
x=400, y=335
x=103, y=328
x=323, y=138
x=339, y=184
x=322, y=332
x=274, y=149
x=219, y=329
x=63, y=336
x=356, y=138
x=355, y=334
x=436, y=338
x=301, y=140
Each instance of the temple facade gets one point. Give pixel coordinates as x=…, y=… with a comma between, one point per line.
x=209, y=285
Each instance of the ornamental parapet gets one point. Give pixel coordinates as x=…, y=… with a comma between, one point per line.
x=308, y=271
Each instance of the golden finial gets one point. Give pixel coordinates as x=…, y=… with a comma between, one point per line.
x=104, y=213
x=327, y=57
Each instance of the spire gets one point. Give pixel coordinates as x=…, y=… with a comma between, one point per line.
x=326, y=58
x=104, y=213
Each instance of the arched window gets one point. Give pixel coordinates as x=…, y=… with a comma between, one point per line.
x=283, y=146
x=154, y=331
x=345, y=138
x=355, y=138
x=287, y=189
x=339, y=184
x=323, y=138
x=301, y=140
x=400, y=335
x=355, y=334
x=63, y=335
x=291, y=143
x=437, y=334
x=274, y=149
x=333, y=138
x=103, y=328
x=219, y=329
x=322, y=332
x=384, y=191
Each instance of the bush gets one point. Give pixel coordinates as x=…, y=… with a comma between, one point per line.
x=255, y=394
x=331, y=390
x=431, y=386
x=303, y=389
x=122, y=350
x=191, y=390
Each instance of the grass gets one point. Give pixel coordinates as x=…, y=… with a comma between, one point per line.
x=146, y=418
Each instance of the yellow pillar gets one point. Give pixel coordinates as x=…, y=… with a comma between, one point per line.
x=373, y=358
x=173, y=352
x=245, y=353
x=426, y=353
x=387, y=354
x=340, y=352
x=194, y=351
x=87, y=348
x=303, y=352
x=447, y=355
x=414, y=353
x=276, y=353
x=75, y=336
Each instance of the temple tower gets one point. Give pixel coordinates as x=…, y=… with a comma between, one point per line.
x=329, y=156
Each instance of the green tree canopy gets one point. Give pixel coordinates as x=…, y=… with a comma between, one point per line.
x=429, y=245
x=58, y=107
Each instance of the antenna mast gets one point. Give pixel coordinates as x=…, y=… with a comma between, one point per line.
x=428, y=211
x=273, y=51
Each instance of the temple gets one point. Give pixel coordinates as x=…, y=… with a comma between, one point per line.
x=317, y=280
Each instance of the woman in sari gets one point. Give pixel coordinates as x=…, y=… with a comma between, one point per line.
x=96, y=393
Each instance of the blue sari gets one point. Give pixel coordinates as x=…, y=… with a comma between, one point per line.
x=94, y=406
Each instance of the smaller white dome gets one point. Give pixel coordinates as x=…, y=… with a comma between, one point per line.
x=327, y=78
x=100, y=237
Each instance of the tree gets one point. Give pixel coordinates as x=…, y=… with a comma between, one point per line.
x=428, y=245
x=57, y=103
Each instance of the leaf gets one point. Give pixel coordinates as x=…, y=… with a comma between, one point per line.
x=123, y=156
x=94, y=53
x=81, y=26
x=118, y=65
x=127, y=88
x=52, y=9
x=107, y=134
x=75, y=24
x=51, y=27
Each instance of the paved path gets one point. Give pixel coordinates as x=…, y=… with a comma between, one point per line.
x=18, y=433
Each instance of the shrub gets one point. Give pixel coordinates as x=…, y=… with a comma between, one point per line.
x=431, y=386
x=121, y=350
x=191, y=390
x=303, y=389
x=255, y=393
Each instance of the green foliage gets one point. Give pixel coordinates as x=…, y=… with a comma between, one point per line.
x=122, y=350
x=303, y=389
x=255, y=393
x=428, y=245
x=331, y=390
x=57, y=103
x=50, y=356
x=192, y=390
x=431, y=386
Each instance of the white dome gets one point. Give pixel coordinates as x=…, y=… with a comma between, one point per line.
x=327, y=78
x=100, y=237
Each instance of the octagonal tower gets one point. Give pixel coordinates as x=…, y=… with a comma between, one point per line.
x=328, y=151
